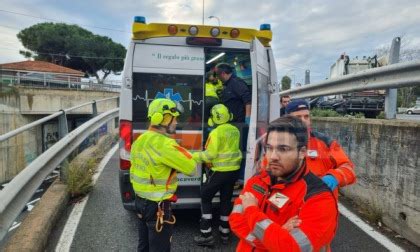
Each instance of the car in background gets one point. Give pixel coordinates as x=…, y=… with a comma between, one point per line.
x=414, y=110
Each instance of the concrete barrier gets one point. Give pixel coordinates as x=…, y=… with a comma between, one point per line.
x=386, y=156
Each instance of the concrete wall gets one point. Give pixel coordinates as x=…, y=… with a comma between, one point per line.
x=30, y=104
x=386, y=156
x=46, y=101
x=20, y=150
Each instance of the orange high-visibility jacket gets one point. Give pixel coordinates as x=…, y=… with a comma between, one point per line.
x=325, y=156
x=260, y=227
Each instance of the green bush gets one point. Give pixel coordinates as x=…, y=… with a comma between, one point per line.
x=381, y=115
x=359, y=115
x=317, y=112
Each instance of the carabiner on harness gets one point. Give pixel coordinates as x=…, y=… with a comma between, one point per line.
x=159, y=218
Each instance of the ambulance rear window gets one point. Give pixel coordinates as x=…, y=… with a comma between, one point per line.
x=185, y=89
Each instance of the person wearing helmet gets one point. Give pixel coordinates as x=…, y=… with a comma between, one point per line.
x=214, y=88
x=326, y=157
x=222, y=156
x=155, y=160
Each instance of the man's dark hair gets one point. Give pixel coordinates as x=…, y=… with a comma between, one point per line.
x=292, y=125
x=284, y=96
x=224, y=67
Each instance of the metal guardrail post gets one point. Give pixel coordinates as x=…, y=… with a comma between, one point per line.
x=95, y=113
x=63, y=130
x=392, y=94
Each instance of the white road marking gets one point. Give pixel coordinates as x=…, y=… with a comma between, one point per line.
x=15, y=225
x=66, y=238
x=387, y=243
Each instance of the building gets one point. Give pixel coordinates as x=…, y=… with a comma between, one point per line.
x=39, y=73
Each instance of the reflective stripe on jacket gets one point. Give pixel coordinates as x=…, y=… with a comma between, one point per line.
x=325, y=156
x=260, y=227
x=222, y=149
x=155, y=160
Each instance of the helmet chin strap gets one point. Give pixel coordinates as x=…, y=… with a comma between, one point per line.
x=167, y=126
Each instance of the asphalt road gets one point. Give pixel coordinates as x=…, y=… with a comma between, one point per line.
x=106, y=226
x=408, y=117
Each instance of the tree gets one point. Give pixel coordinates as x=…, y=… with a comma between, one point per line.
x=74, y=47
x=285, y=82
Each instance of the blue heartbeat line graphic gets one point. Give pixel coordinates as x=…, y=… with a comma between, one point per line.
x=169, y=94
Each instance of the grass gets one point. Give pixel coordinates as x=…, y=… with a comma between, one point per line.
x=79, y=178
x=78, y=174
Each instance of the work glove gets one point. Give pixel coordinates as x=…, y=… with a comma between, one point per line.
x=247, y=120
x=330, y=181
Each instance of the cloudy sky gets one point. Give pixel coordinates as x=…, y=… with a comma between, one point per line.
x=306, y=34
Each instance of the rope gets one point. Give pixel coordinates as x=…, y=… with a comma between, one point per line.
x=160, y=221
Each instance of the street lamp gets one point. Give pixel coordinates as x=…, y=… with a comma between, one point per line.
x=218, y=19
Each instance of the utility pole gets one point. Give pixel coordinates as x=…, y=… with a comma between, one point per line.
x=203, y=14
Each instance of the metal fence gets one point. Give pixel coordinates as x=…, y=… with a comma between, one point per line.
x=19, y=190
x=41, y=80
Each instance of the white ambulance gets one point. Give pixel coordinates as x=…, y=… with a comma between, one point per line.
x=171, y=60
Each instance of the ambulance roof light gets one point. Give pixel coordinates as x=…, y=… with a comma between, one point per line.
x=265, y=27
x=139, y=19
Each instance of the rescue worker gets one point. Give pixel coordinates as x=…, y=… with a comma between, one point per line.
x=223, y=156
x=237, y=97
x=284, y=100
x=285, y=207
x=325, y=156
x=236, y=94
x=155, y=160
x=213, y=90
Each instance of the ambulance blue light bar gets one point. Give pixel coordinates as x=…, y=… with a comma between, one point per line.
x=265, y=27
x=139, y=19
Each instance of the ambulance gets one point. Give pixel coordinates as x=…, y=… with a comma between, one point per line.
x=171, y=61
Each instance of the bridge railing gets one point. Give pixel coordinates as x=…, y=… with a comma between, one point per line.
x=58, y=81
x=19, y=190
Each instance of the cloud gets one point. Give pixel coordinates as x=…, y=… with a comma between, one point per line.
x=306, y=34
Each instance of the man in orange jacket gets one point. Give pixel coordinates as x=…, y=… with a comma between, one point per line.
x=325, y=157
x=285, y=207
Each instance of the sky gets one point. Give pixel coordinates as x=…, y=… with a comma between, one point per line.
x=306, y=34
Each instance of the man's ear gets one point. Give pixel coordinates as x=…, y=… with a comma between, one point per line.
x=302, y=153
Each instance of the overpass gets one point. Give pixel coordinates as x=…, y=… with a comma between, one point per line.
x=385, y=153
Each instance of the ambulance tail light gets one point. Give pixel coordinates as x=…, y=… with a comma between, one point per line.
x=203, y=41
x=193, y=30
x=126, y=138
x=234, y=33
x=172, y=29
x=214, y=32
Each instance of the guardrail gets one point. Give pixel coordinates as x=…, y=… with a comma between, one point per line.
x=63, y=130
x=19, y=190
x=391, y=76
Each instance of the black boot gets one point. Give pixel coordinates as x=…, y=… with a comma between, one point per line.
x=201, y=240
x=224, y=238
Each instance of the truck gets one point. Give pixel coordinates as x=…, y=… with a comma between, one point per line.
x=370, y=102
